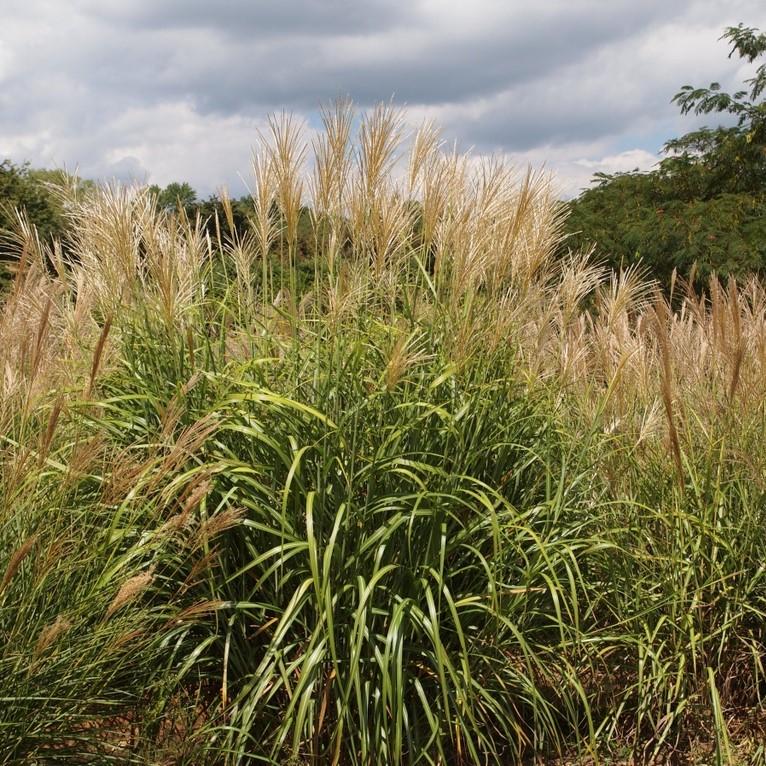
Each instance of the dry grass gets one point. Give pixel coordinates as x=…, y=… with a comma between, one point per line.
x=488, y=234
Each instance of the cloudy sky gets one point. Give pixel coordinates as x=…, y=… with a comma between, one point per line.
x=163, y=90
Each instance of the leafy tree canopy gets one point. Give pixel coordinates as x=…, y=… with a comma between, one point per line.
x=23, y=188
x=175, y=196
x=704, y=205
x=30, y=190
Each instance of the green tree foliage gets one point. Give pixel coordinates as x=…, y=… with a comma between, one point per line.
x=28, y=190
x=704, y=206
x=175, y=196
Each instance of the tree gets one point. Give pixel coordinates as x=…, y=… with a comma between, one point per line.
x=29, y=190
x=704, y=205
x=175, y=196
x=749, y=44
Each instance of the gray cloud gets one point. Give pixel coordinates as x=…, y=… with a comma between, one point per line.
x=126, y=169
x=298, y=53
x=244, y=19
x=129, y=86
